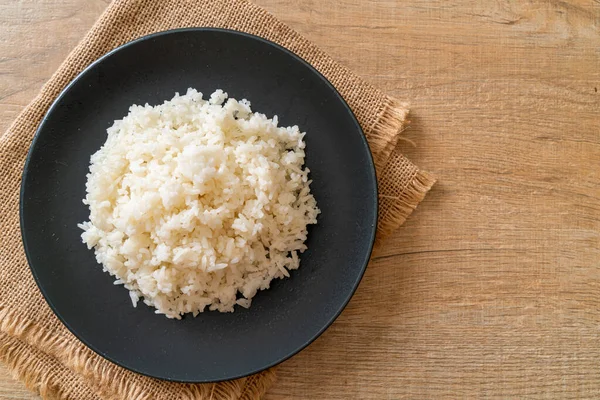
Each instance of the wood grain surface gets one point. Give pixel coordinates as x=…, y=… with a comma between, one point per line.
x=492, y=288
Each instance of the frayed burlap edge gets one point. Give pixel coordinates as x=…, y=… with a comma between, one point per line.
x=395, y=207
x=400, y=207
x=99, y=376
x=27, y=367
x=41, y=373
x=385, y=132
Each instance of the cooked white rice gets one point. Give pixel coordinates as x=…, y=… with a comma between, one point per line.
x=198, y=203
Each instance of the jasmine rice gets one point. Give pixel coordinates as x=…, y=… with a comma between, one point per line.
x=198, y=204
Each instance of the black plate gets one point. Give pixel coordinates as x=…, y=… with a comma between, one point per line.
x=213, y=346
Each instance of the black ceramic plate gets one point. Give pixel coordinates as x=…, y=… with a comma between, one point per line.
x=212, y=346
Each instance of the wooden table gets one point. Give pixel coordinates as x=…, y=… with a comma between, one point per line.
x=492, y=288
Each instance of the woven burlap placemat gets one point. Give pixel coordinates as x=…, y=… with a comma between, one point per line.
x=33, y=343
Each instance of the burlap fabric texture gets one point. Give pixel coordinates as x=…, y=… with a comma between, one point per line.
x=33, y=343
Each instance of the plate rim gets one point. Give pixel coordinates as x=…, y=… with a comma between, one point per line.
x=370, y=166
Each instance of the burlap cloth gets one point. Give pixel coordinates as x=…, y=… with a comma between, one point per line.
x=33, y=343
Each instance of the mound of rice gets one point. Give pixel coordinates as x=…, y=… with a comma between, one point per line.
x=198, y=203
